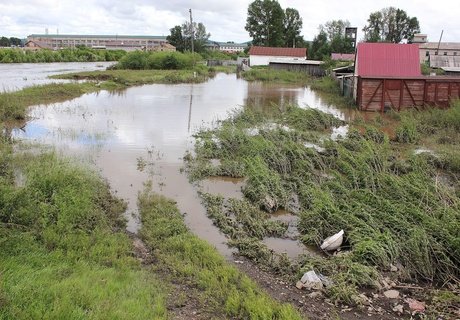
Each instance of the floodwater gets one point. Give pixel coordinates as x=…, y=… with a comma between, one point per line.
x=16, y=76
x=141, y=134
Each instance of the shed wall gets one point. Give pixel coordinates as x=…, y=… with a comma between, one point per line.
x=376, y=94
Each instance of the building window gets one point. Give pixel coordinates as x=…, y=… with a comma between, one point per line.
x=445, y=53
x=455, y=53
x=427, y=54
x=436, y=53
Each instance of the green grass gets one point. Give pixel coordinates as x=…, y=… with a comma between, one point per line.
x=13, y=105
x=63, y=250
x=139, y=77
x=391, y=202
x=221, y=290
x=281, y=76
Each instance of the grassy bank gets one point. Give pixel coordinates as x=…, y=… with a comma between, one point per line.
x=63, y=250
x=396, y=207
x=64, y=253
x=281, y=76
x=219, y=290
x=13, y=105
x=125, y=78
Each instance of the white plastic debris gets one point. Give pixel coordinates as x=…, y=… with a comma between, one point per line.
x=311, y=280
x=333, y=242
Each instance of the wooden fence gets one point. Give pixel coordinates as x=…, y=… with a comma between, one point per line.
x=381, y=94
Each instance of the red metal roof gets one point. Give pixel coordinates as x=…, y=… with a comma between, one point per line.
x=388, y=59
x=278, y=52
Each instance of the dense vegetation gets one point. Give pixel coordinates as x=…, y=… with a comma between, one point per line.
x=140, y=60
x=81, y=54
x=63, y=252
x=219, y=289
x=397, y=207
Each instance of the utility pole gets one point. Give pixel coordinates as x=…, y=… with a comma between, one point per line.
x=439, y=43
x=192, y=29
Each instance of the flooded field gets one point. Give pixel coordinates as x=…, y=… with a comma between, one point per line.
x=142, y=133
x=20, y=75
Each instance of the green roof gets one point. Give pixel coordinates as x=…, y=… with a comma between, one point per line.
x=78, y=36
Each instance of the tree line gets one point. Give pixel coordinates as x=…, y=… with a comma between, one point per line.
x=269, y=25
x=8, y=42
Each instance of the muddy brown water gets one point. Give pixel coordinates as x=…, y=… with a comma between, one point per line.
x=142, y=133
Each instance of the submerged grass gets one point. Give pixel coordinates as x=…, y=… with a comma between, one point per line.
x=391, y=204
x=222, y=291
x=63, y=251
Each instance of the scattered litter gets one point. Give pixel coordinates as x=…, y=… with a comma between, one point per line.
x=398, y=308
x=299, y=285
x=311, y=281
x=315, y=294
x=364, y=299
x=238, y=262
x=333, y=242
x=391, y=294
x=393, y=268
x=416, y=306
x=325, y=280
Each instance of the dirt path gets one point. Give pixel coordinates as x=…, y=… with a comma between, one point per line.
x=182, y=301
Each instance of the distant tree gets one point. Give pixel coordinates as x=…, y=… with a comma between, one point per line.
x=335, y=30
x=199, y=34
x=320, y=47
x=292, y=27
x=4, y=42
x=176, y=38
x=265, y=23
x=390, y=25
x=15, y=41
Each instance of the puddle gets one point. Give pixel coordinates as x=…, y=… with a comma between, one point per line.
x=292, y=248
x=227, y=187
x=292, y=220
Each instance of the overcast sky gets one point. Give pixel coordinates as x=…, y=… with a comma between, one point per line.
x=224, y=19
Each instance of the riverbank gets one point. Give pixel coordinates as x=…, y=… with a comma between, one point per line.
x=65, y=253
x=397, y=203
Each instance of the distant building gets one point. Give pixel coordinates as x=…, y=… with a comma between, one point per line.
x=262, y=56
x=229, y=47
x=427, y=49
x=109, y=42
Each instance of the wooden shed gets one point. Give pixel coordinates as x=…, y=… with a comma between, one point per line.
x=397, y=93
x=388, y=77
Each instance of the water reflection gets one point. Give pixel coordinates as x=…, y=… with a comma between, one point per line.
x=154, y=124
